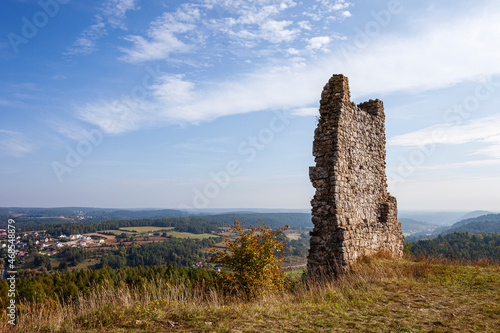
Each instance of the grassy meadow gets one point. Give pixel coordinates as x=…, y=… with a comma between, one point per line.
x=379, y=295
x=169, y=231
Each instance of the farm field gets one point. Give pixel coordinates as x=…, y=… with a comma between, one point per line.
x=293, y=235
x=101, y=235
x=116, y=232
x=141, y=232
x=145, y=229
x=179, y=234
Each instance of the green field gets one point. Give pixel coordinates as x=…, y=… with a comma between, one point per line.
x=146, y=229
x=138, y=231
x=178, y=234
x=118, y=232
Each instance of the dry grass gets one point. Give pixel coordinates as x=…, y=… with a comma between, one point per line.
x=379, y=295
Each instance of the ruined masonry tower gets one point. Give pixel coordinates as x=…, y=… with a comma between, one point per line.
x=353, y=214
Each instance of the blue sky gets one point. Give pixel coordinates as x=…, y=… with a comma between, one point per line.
x=213, y=104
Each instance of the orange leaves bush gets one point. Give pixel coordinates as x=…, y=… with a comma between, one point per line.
x=253, y=257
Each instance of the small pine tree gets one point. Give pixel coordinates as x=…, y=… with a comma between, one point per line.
x=253, y=257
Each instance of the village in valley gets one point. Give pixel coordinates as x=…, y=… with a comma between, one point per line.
x=38, y=251
x=45, y=244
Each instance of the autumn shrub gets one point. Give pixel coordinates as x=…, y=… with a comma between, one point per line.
x=252, y=255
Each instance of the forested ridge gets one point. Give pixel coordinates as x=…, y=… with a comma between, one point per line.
x=275, y=220
x=183, y=224
x=176, y=252
x=460, y=246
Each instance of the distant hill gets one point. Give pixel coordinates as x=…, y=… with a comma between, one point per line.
x=484, y=223
x=91, y=212
x=473, y=214
x=477, y=227
x=137, y=214
x=275, y=220
x=460, y=246
x=482, y=218
x=439, y=218
x=26, y=217
x=410, y=226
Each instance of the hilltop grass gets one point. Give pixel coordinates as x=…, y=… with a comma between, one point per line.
x=379, y=295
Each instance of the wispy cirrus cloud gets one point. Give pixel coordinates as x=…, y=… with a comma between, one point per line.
x=330, y=10
x=115, y=12
x=162, y=37
x=86, y=43
x=478, y=130
x=5, y=102
x=111, y=14
x=459, y=165
x=70, y=129
x=242, y=22
x=458, y=50
x=484, y=132
x=14, y=143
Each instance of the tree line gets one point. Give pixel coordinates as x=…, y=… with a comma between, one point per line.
x=183, y=224
x=63, y=286
x=176, y=252
x=460, y=246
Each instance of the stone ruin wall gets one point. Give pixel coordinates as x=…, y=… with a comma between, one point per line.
x=353, y=214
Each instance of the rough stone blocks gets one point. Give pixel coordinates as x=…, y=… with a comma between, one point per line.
x=353, y=214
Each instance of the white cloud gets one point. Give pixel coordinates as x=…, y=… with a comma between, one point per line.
x=115, y=117
x=246, y=23
x=86, y=43
x=71, y=130
x=275, y=32
x=328, y=9
x=475, y=192
x=340, y=5
x=318, y=42
x=482, y=129
x=468, y=164
x=14, y=143
x=305, y=112
x=112, y=13
x=173, y=89
x=438, y=55
x=185, y=104
x=116, y=10
x=306, y=25
x=162, y=37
